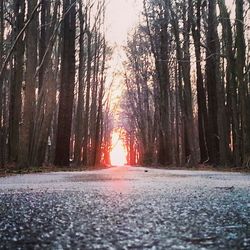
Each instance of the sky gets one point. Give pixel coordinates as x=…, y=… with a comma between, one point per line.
x=121, y=16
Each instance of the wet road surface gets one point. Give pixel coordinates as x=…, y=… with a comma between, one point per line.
x=125, y=208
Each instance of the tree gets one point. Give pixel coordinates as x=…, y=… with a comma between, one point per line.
x=46, y=101
x=16, y=82
x=201, y=92
x=2, y=142
x=160, y=46
x=183, y=57
x=243, y=88
x=37, y=49
x=183, y=96
x=212, y=71
x=67, y=84
x=81, y=89
x=29, y=88
x=138, y=100
x=232, y=105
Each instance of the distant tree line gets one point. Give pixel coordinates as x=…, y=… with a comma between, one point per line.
x=53, y=104
x=187, y=80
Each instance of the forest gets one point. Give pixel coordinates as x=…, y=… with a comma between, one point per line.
x=185, y=84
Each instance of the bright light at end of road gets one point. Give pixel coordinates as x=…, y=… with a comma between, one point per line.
x=118, y=153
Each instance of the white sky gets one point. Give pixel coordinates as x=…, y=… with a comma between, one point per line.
x=121, y=16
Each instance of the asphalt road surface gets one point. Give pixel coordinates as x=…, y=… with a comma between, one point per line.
x=125, y=208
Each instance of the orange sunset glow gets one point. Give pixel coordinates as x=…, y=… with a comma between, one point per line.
x=118, y=153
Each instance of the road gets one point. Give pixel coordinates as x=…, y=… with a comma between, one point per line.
x=125, y=208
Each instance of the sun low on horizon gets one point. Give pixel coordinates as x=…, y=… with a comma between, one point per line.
x=118, y=153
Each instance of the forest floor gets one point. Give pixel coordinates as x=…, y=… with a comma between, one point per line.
x=204, y=167
x=125, y=208
x=13, y=170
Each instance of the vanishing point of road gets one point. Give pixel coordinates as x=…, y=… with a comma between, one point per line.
x=126, y=208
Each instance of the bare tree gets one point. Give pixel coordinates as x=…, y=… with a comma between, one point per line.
x=2, y=141
x=16, y=82
x=29, y=88
x=67, y=84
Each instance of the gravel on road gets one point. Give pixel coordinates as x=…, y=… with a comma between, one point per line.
x=126, y=208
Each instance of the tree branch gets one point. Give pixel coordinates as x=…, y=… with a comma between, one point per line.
x=18, y=38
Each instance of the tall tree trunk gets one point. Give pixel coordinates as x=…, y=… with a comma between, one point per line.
x=98, y=135
x=67, y=85
x=231, y=80
x=186, y=68
x=43, y=38
x=183, y=57
x=177, y=118
x=164, y=156
x=2, y=141
x=80, y=103
x=212, y=82
x=160, y=52
x=86, y=115
x=93, y=109
x=201, y=94
x=46, y=95
x=49, y=109
x=243, y=91
x=30, y=86
x=218, y=137
x=16, y=83
x=222, y=119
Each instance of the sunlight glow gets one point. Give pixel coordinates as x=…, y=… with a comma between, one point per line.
x=118, y=153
